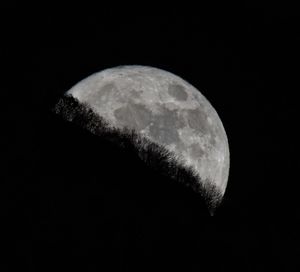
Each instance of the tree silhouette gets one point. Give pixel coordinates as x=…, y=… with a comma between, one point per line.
x=154, y=155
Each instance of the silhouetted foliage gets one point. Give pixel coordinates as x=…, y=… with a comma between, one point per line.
x=154, y=155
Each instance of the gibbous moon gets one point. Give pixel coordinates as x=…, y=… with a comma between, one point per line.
x=166, y=110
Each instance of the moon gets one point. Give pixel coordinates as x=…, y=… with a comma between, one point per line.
x=163, y=109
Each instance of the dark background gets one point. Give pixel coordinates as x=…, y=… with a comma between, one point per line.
x=73, y=201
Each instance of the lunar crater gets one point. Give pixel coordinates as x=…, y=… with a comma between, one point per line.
x=197, y=120
x=139, y=115
x=177, y=91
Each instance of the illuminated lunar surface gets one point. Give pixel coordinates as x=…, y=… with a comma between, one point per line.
x=166, y=110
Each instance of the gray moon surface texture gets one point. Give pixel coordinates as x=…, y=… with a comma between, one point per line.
x=165, y=109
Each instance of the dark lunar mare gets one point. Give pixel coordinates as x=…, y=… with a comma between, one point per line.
x=155, y=156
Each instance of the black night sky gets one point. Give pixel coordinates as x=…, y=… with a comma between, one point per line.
x=75, y=202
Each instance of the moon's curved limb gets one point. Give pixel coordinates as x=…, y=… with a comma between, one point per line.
x=164, y=110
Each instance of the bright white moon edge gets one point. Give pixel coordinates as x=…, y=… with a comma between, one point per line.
x=164, y=109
